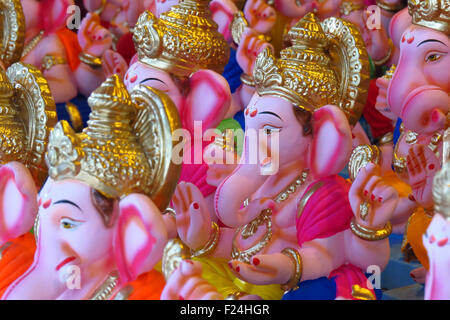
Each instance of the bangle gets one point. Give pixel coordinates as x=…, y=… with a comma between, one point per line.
x=391, y=7
x=90, y=60
x=210, y=245
x=387, y=138
x=348, y=7
x=49, y=61
x=247, y=80
x=171, y=212
x=387, y=57
x=296, y=258
x=370, y=234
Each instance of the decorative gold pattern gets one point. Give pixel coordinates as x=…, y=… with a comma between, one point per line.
x=106, y=290
x=27, y=113
x=182, y=41
x=30, y=45
x=12, y=22
x=50, y=61
x=434, y=14
x=362, y=293
x=174, y=252
x=391, y=7
x=389, y=73
x=364, y=209
x=348, y=7
x=75, y=116
x=296, y=258
x=265, y=218
x=361, y=156
x=238, y=26
x=114, y=153
x=94, y=62
x=326, y=64
x=386, y=139
x=211, y=245
x=370, y=234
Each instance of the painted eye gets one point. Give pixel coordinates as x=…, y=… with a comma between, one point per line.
x=433, y=57
x=67, y=223
x=268, y=130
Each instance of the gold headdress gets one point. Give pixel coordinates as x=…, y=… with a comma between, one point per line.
x=126, y=146
x=182, y=41
x=326, y=64
x=27, y=113
x=12, y=24
x=434, y=14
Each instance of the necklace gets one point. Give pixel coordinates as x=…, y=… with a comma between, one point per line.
x=32, y=43
x=105, y=291
x=265, y=218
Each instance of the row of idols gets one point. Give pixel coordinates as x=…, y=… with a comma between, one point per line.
x=230, y=149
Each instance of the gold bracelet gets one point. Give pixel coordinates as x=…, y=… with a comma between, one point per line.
x=387, y=138
x=348, y=7
x=296, y=258
x=370, y=234
x=210, y=245
x=247, y=80
x=387, y=57
x=90, y=60
x=49, y=61
x=391, y=7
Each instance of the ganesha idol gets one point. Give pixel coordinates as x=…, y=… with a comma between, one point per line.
x=418, y=94
x=436, y=238
x=183, y=55
x=97, y=219
x=71, y=63
x=301, y=227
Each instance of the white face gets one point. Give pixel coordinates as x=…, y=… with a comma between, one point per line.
x=71, y=231
x=275, y=116
x=140, y=73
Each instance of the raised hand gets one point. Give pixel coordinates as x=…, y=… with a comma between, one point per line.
x=92, y=37
x=375, y=37
x=264, y=269
x=249, y=48
x=192, y=215
x=18, y=201
x=114, y=63
x=186, y=283
x=422, y=165
x=259, y=15
x=372, y=200
x=381, y=103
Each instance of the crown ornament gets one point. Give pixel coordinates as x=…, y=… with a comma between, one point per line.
x=124, y=148
x=12, y=24
x=327, y=63
x=434, y=14
x=27, y=114
x=182, y=41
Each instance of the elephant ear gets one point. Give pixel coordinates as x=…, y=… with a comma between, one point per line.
x=223, y=13
x=332, y=141
x=18, y=205
x=208, y=100
x=139, y=238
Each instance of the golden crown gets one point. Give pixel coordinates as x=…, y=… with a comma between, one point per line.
x=12, y=24
x=125, y=147
x=182, y=41
x=327, y=63
x=434, y=14
x=27, y=113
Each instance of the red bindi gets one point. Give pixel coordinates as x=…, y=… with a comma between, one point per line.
x=253, y=113
x=431, y=166
x=196, y=206
x=47, y=203
x=256, y=261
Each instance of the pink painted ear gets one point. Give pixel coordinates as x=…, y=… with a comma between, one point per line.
x=140, y=237
x=222, y=13
x=208, y=100
x=332, y=141
x=18, y=204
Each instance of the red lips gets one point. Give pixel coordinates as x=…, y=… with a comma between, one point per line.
x=65, y=261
